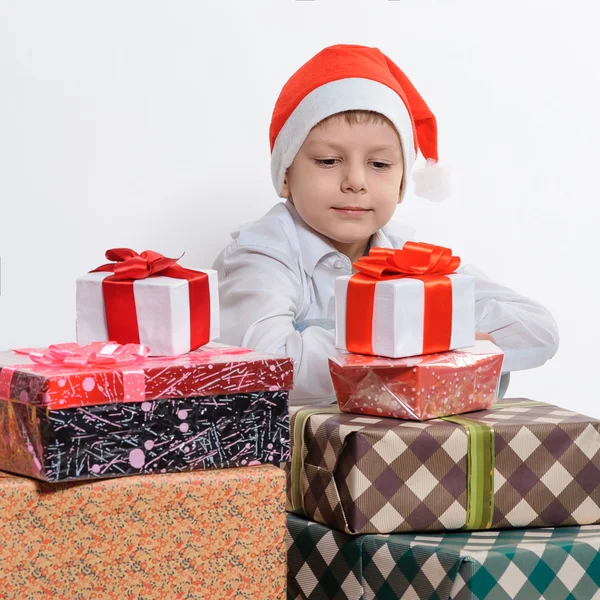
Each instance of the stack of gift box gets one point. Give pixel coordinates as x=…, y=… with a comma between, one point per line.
x=141, y=462
x=421, y=483
x=113, y=449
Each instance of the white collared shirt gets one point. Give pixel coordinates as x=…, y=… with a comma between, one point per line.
x=276, y=290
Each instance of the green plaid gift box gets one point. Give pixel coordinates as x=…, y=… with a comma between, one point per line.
x=521, y=464
x=549, y=564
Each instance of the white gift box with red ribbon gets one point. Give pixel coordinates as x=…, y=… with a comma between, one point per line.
x=172, y=312
x=404, y=303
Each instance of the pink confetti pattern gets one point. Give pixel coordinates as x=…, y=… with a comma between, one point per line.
x=132, y=438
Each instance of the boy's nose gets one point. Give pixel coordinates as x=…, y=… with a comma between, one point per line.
x=354, y=179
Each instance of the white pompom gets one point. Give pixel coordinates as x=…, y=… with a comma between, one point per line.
x=432, y=181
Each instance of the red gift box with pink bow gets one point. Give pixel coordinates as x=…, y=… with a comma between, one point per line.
x=107, y=410
x=148, y=299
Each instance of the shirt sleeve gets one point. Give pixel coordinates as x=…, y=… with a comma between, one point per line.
x=521, y=327
x=260, y=294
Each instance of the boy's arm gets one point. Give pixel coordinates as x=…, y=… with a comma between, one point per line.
x=260, y=294
x=523, y=328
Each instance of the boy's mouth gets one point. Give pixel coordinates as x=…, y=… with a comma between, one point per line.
x=353, y=211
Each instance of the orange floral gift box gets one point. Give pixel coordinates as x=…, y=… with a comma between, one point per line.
x=405, y=303
x=205, y=534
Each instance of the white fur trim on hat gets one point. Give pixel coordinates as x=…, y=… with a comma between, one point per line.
x=432, y=181
x=353, y=93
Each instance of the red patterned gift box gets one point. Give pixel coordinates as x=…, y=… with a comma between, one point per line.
x=418, y=387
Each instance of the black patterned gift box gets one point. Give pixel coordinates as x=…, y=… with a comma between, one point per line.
x=550, y=564
x=217, y=407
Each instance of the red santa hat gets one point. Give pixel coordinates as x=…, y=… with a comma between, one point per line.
x=349, y=77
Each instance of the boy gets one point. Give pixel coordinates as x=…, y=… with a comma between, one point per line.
x=344, y=136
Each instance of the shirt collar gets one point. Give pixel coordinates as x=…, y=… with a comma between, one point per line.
x=314, y=247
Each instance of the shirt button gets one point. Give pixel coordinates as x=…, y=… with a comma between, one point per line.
x=338, y=264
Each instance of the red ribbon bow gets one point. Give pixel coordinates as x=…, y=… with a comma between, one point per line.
x=131, y=265
x=119, y=298
x=416, y=260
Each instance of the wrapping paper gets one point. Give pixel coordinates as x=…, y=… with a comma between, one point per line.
x=520, y=464
x=399, y=313
x=215, y=369
x=159, y=436
x=420, y=388
x=206, y=534
x=162, y=306
x=556, y=564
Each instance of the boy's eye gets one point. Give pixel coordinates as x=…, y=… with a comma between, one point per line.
x=330, y=162
x=381, y=165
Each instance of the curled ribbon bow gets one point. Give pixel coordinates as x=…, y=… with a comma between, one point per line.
x=416, y=260
x=128, y=264
x=101, y=354
x=119, y=297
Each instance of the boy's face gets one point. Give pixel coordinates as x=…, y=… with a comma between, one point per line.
x=345, y=180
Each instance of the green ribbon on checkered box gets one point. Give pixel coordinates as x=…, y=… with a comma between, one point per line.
x=552, y=564
x=522, y=463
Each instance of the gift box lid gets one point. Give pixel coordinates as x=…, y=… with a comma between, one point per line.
x=214, y=369
x=452, y=358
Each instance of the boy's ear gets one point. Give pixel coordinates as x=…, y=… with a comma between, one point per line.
x=285, y=189
x=400, y=191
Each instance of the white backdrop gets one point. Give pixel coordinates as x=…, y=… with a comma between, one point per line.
x=145, y=124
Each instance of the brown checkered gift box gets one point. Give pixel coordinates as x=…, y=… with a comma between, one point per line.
x=521, y=464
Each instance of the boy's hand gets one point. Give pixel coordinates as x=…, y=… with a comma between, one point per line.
x=479, y=335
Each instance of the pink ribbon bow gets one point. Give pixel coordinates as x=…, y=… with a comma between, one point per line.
x=100, y=354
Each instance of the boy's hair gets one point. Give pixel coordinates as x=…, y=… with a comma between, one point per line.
x=359, y=117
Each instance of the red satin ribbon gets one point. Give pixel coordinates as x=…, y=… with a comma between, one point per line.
x=119, y=299
x=416, y=260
